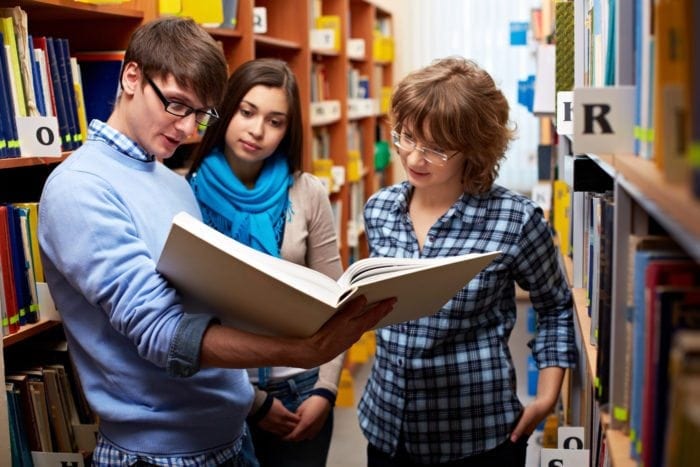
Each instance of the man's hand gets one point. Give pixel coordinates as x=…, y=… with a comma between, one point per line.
x=345, y=328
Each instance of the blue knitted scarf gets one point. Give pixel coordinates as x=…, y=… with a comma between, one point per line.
x=254, y=216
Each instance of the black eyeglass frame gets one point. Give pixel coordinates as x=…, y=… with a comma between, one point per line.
x=203, y=117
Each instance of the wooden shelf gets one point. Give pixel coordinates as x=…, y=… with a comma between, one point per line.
x=27, y=331
x=219, y=33
x=276, y=43
x=619, y=447
x=15, y=162
x=671, y=205
x=58, y=10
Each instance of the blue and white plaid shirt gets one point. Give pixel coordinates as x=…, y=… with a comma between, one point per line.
x=100, y=131
x=445, y=384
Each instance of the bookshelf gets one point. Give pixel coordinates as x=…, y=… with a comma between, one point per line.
x=647, y=200
x=287, y=37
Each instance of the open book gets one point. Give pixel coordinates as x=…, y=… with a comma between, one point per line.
x=260, y=293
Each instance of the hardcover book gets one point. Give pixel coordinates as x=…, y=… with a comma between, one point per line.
x=260, y=293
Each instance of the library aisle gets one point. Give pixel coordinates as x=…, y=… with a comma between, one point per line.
x=348, y=447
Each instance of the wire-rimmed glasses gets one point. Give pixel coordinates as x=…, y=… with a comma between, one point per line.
x=408, y=145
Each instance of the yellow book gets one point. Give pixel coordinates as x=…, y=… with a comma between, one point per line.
x=561, y=217
x=671, y=77
x=8, y=33
x=354, y=166
x=330, y=22
x=208, y=13
x=169, y=7
x=33, y=210
x=79, y=99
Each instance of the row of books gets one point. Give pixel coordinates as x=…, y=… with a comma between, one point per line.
x=47, y=409
x=20, y=266
x=665, y=72
x=663, y=297
x=40, y=78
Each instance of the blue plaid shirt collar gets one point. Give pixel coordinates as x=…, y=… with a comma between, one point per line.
x=100, y=131
x=469, y=208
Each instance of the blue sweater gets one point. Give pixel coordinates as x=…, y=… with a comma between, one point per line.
x=104, y=217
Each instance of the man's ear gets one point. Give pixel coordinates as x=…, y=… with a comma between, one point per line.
x=131, y=78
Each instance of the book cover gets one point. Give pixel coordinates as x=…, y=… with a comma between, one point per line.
x=61, y=427
x=694, y=98
x=99, y=73
x=8, y=109
x=21, y=26
x=19, y=265
x=603, y=357
x=24, y=228
x=8, y=278
x=36, y=78
x=230, y=11
x=38, y=394
x=41, y=44
x=21, y=455
x=33, y=216
x=62, y=49
x=623, y=374
x=643, y=256
x=278, y=297
x=670, y=86
x=8, y=32
x=679, y=272
x=21, y=382
x=5, y=112
x=679, y=308
x=59, y=97
x=79, y=98
x=684, y=377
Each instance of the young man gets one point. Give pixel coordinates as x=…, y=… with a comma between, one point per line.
x=165, y=380
x=442, y=388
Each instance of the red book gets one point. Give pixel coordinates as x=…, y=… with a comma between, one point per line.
x=680, y=272
x=11, y=316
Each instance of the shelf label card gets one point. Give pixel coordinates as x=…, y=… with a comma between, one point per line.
x=39, y=136
x=563, y=457
x=570, y=437
x=565, y=113
x=604, y=120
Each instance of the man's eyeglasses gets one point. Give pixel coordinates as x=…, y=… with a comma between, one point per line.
x=408, y=145
x=202, y=116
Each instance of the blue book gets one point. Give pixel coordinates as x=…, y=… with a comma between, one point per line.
x=58, y=93
x=36, y=78
x=63, y=55
x=642, y=258
x=230, y=10
x=7, y=108
x=99, y=73
x=19, y=265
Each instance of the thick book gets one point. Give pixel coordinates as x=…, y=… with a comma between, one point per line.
x=260, y=293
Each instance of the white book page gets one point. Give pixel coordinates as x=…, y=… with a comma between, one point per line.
x=299, y=277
